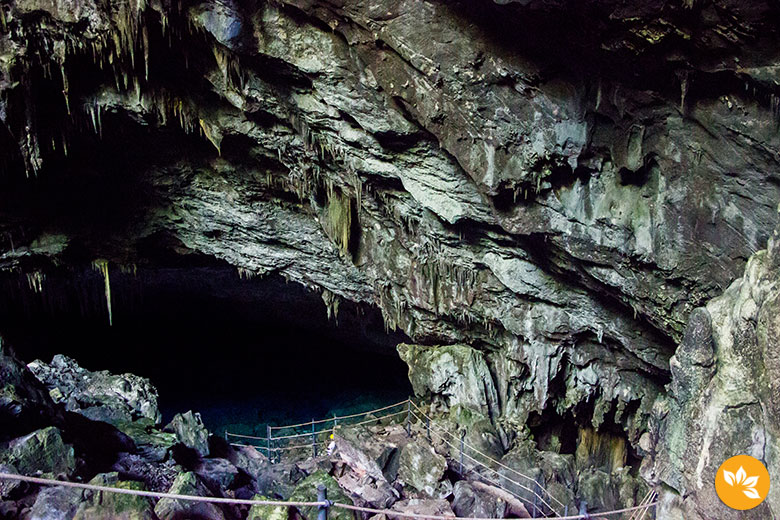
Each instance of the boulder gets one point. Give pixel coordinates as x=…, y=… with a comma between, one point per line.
x=99, y=505
x=157, y=476
x=187, y=484
x=433, y=507
x=366, y=453
x=218, y=473
x=306, y=491
x=100, y=396
x=471, y=502
x=423, y=469
x=24, y=402
x=56, y=503
x=377, y=493
x=7, y=487
x=452, y=375
x=190, y=431
x=151, y=443
x=257, y=512
x=42, y=451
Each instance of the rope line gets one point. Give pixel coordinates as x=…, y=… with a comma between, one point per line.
x=500, y=476
x=337, y=417
x=491, y=459
x=156, y=494
x=283, y=448
x=398, y=514
x=246, y=436
x=220, y=500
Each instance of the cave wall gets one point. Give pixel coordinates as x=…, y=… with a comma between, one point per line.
x=557, y=185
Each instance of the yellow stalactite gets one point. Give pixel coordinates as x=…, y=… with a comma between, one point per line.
x=102, y=267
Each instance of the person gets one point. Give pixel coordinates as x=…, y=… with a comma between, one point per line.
x=332, y=444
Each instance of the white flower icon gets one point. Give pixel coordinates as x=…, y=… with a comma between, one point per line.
x=741, y=479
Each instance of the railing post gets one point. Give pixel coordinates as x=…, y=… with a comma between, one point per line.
x=462, y=440
x=268, y=443
x=313, y=439
x=322, y=496
x=428, y=427
x=409, y=418
x=226, y=436
x=566, y=510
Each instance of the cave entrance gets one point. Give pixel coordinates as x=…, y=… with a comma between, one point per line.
x=243, y=352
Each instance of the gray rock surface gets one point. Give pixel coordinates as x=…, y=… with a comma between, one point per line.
x=187, y=484
x=473, y=503
x=723, y=398
x=100, y=396
x=56, y=503
x=422, y=469
x=554, y=186
x=190, y=431
x=40, y=452
x=99, y=505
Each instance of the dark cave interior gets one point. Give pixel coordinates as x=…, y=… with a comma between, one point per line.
x=243, y=352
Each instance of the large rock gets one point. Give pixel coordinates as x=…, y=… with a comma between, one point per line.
x=421, y=468
x=190, y=431
x=217, y=473
x=100, y=396
x=99, y=505
x=40, y=452
x=306, y=491
x=366, y=452
x=24, y=402
x=424, y=507
x=7, y=487
x=187, y=484
x=56, y=503
x=150, y=442
x=157, y=476
x=454, y=374
x=474, y=503
x=257, y=512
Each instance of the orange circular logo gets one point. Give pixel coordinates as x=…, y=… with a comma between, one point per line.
x=742, y=482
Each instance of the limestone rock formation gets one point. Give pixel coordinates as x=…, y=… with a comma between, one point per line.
x=190, y=431
x=100, y=396
x=723, y=396
x=187, y=484
x=40, y=452
x=549, y=198
x=107, y=506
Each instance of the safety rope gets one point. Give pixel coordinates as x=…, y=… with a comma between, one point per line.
x=220, y=500
x=156, y=494
x=242, y=436
x=398, y=514
x=494, y=461
x=499, y=475
x=338, y=417
x=640, y=514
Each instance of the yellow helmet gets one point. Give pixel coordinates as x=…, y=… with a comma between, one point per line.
x=331, y=436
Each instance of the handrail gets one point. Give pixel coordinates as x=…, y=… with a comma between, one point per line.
x=338, y=417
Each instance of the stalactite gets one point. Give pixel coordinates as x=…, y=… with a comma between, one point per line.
x=102, y=267
x=246, y=274
x=339, y=219
x=35, y=281
x=331, y=301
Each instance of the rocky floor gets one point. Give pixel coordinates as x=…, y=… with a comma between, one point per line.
x=70, y=423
